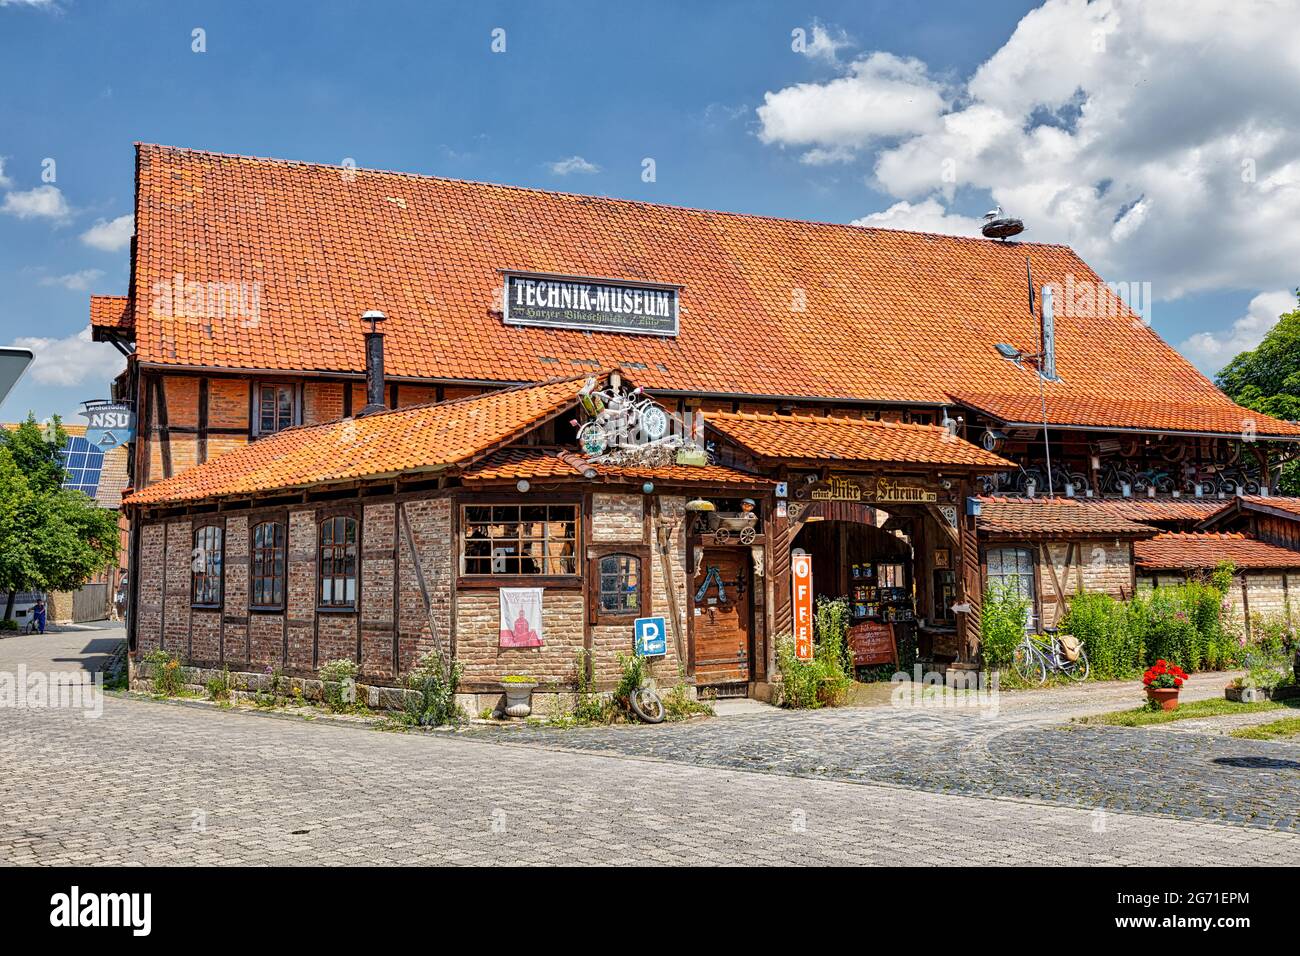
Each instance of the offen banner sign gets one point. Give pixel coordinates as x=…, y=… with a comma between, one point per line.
x=801, y=585
x=593, y=305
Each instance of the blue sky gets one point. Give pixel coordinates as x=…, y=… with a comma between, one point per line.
x=734, y=118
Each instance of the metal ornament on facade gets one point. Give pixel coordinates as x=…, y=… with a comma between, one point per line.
x=109, y=424
x=626, y=427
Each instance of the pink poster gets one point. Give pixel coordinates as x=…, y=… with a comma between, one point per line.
x=521, y=617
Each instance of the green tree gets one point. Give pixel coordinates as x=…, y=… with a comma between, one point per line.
x=1267, y=379
x=51, y=539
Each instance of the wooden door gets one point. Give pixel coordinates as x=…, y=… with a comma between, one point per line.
x=722, y=605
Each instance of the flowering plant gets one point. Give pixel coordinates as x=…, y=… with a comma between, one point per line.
x=1162, y=674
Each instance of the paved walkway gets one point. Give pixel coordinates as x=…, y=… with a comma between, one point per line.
x=161, y=783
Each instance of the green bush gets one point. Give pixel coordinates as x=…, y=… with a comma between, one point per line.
x=831, y=629
x=589, y=706
x=334, y=673
x=8, y=624
x=1002, y=625
x=820, y=682
x=435, y=683
x=165, y=668
x=1103, y=624
x=218, y=687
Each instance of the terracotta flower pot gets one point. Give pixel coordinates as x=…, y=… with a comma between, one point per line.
x=1166, y=697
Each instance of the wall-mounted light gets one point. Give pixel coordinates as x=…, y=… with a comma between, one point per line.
x=648, y=487
x=522, y=485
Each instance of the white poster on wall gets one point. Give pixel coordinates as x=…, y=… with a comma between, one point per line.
x=521, y=617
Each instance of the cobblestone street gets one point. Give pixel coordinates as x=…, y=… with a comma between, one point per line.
x=161, y=783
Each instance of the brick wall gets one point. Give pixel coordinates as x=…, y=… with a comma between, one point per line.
x=672, y=518
x=378, y=528
x=149, y=596
x=176, y=588
x=1095, y=566
x=302, y=638
x=429, y=522
x=300, y=591
x=478, y=634
x=617, y=517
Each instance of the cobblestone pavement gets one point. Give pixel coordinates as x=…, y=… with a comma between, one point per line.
x=1025, y=751
x=163, y=783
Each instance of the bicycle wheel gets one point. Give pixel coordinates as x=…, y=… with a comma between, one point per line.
x=647, y=705
x=1028, y=664
x=1080, y=669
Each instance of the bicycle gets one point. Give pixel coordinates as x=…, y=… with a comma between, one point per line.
x=1034, y=657
x=645, y=703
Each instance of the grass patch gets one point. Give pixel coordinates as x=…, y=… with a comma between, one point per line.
x=1211, y=707
x=1283, y=729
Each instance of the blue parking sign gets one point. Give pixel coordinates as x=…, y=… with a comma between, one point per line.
x=651, y=636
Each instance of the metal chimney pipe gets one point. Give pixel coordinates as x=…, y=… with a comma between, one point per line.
x=374, y=363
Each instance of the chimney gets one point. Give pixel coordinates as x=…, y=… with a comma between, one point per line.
x=374, y=364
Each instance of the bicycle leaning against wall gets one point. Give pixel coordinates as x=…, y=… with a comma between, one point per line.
x=1036, y=656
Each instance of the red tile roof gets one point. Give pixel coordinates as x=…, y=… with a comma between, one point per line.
x=540, y=463
x=1190, y=552
x=1070, y=405
x=110, y=314
x=1166, y=510
x=771, y=307
x=422, y=438
x=799, y=437
x=1278, y=505
x=1054, y=517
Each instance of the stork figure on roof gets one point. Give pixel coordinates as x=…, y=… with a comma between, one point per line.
x=997, y=225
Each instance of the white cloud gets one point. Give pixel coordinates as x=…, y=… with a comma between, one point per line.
x=882, y=96
x=4, y=180
x=27, y=3
x=1210, y=351
x=75, y=281
x=574, y=164
x=1159, y=138
x=928, y=215
x=826, y=44
x=74, y=360
x=41, y=202
x=110, y=235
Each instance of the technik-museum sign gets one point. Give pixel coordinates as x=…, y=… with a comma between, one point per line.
x=592, y=305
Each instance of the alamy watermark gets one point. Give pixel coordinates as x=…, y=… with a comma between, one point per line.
x=1087, y=298
x=951, y=688
x=46, y=690
x=237, y=300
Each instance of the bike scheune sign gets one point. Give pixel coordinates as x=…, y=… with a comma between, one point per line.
x=109, y=424
x=592, y=305
x=651, y=636
x=802, y=593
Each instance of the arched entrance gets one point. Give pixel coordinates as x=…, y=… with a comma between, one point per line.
x=895, y=564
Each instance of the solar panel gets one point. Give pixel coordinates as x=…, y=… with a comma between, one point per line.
x=84, y=463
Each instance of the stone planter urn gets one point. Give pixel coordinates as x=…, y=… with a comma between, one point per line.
x=1166, y=698
x=519, y=697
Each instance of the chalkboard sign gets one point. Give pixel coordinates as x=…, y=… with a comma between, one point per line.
x=873, y=642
